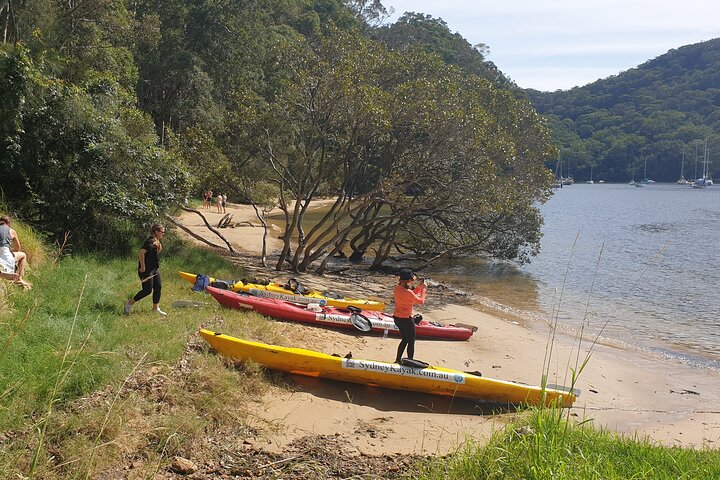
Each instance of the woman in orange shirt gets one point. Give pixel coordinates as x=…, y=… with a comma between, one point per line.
x=405, y=297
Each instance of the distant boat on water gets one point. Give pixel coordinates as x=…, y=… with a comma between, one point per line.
x=591, y=180
x=633, y=182
x=561, y=181
x=681, y=180
x=645, y=179
x=558, y=176
x=705, y=181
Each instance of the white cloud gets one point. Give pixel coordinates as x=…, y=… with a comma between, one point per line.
x=532, y=41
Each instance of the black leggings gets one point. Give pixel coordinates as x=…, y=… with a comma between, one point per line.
x=407, y=330
x=153, y=285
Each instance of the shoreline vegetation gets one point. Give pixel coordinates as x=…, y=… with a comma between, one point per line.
x=88, y=391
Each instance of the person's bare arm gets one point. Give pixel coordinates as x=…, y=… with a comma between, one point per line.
x=15, y=241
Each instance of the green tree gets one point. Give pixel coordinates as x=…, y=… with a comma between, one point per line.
x=432, y=35
x=404, y=143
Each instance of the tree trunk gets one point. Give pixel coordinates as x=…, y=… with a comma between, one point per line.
x=263, y=254
x=338, y=247
x=289, y=227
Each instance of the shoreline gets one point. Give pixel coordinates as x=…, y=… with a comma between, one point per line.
x=541, y=321
x=629, y=391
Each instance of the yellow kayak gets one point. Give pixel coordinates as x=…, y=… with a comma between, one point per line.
x=276, y=290
x=435, y=380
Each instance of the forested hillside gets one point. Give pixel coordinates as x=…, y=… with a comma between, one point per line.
x=652, y=113
x=114, y=111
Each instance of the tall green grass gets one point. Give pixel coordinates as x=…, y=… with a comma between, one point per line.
x=68, y=339
x=544, y=445
x=41, y=325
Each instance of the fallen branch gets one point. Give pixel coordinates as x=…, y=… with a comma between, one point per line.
x=192, y=234
x=210, y=227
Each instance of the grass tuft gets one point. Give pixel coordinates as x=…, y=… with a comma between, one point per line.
x=545, y=445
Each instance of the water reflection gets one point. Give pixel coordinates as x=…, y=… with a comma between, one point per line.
x=501, y=282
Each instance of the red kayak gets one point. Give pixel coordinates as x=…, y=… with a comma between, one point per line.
x=365, y=320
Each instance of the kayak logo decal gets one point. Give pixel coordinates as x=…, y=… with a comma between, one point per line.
x=287, y=297
x=402, y=371
x=323, y=317
x=345, y=320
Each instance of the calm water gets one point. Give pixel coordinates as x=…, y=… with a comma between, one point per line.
x=643, y=261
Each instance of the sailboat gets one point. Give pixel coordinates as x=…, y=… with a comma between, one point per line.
x=558, y=176
x=645, y=178
x=681, y=180
x=705, y=181
x=569, y=180
x=591, y=180
x=708, y=180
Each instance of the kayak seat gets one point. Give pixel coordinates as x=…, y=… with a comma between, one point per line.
x=412, y=363
x=334, y=295
x=221, y=284
x=295, y=286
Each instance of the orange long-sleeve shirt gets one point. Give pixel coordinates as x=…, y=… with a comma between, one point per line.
x=406, y=298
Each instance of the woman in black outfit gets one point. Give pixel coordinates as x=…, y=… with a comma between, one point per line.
x=149, y=270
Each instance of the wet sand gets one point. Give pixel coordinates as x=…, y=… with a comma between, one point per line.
x=623, y=390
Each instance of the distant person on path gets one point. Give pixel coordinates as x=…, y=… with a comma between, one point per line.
x=224, y=201
x=219, y=201
x=149, y=270
x=405, y=297
x=12, y=259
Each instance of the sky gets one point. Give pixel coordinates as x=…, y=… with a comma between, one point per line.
x=559, y=44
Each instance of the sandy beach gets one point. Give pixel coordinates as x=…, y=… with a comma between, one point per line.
x=623, y=390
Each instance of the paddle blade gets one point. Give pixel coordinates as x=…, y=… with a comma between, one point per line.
x=360, y=322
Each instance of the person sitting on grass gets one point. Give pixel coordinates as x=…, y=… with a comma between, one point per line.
x=12, y=259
